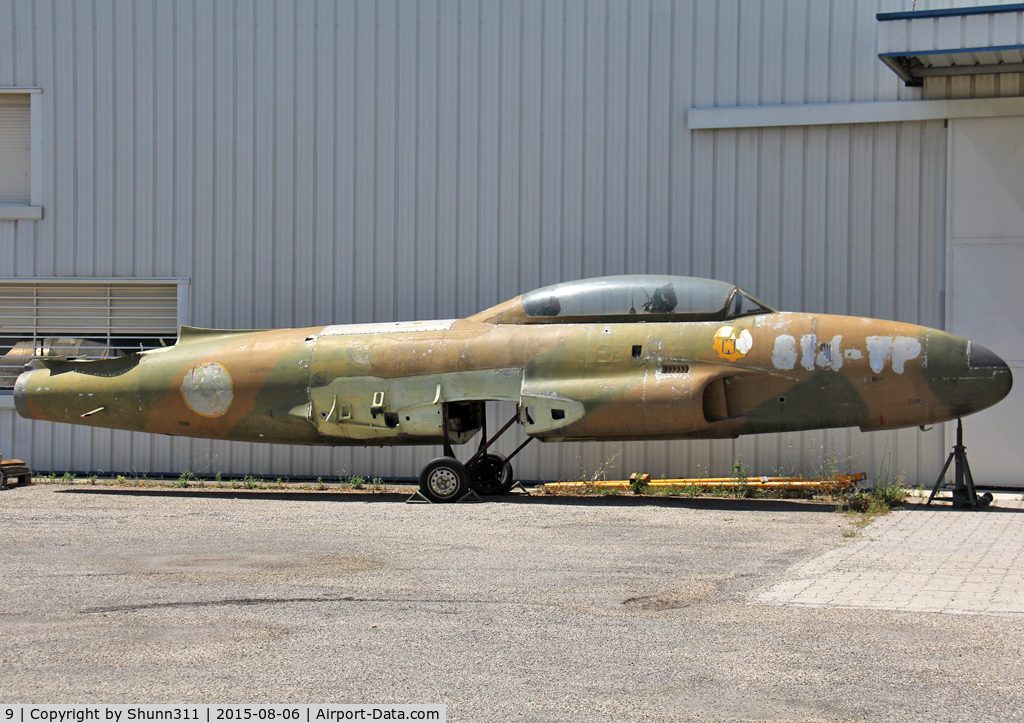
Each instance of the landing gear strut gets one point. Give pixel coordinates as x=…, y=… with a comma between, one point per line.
x=446, y=479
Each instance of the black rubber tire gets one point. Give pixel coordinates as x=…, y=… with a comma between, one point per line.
x=491, y=475
x=444, y=479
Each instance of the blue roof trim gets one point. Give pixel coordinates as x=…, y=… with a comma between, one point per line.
x=951, y=12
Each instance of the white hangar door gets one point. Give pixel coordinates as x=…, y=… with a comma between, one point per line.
x=985, y=298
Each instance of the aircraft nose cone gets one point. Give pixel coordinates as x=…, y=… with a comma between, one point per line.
x=966, y=377
x=991, y=371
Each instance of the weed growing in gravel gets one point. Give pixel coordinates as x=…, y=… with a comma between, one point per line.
x=740, y=488
x=589, y=487
x=677, y=491
x=357, y=482
x=320, y=484
x=250, y=483
x=879, y=499
x=131, y=480
x=820, y=462
x=184, y=478
x=887, y=492
x=601, y=473
x=344, y=479
x=830, y=461
x=638, y=482
x=68, y=477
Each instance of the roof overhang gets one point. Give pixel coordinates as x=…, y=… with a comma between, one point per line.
x=914, y=66
x=921, y=44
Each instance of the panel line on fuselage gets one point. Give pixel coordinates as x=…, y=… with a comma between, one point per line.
x=391, y=327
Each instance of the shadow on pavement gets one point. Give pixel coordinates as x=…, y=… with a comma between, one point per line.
x=244, y=494
x=702, y=503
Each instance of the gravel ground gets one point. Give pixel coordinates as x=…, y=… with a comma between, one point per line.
x=527, y=609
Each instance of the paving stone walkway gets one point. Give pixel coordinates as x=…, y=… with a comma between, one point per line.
x=923, y=559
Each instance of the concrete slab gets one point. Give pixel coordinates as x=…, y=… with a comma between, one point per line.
x=920, y=559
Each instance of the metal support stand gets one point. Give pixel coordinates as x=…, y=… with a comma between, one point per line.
x=418, y=498
x=964, y=494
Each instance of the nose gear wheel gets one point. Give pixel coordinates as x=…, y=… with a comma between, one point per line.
x=444, y=479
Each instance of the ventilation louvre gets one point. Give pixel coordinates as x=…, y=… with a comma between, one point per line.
x=82, y=320
x=675, y=368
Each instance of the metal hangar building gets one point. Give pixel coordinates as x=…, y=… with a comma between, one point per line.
x=271, y=163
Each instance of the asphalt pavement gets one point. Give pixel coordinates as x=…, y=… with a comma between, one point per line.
x=523, y=609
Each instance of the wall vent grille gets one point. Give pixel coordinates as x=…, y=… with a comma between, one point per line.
x=82, y=320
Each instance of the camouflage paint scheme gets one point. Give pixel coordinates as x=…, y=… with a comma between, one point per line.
x=577, y=378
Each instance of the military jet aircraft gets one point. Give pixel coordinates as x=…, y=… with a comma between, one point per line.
x=612, y=358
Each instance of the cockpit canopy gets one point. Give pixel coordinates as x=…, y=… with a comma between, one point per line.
x=633, y=299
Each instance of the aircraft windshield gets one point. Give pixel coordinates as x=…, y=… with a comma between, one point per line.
x=650, y=298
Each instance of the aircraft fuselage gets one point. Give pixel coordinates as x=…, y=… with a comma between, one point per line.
x=385, y=384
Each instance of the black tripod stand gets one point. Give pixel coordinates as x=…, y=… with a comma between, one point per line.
x=964, y=494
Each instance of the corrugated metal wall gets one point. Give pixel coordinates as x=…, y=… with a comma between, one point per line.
x=321, y=162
